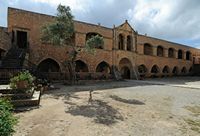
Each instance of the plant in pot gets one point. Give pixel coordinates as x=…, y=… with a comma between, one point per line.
x=22, y=82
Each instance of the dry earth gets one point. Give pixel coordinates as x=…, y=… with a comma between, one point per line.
x=125, y=108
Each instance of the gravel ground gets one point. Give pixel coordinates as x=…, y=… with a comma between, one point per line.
x=125, y=108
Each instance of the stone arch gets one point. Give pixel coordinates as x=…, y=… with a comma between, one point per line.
x=90, y=35
x=142, y=69
x=184, y=70
x=188, y=55
x=171, y=53
x=155, y=69
x=160, y=51
x=103, y=67
x=48, y=65
x=166, y=70
x=180, y=54
x=129, y=43
x=121, y=42
x=148, y=49
x=81, y=66
x=175, y=70
x=125, y=68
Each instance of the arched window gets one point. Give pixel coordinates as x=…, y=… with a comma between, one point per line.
x=81, y=66
x=171, y=53
x=160, y=51
x=155, y=69
x=188, y=55
x=166, y=70
x=90, y=35
x=148, y=50
x=129, y=43
x=121, y=42
x=180, y=54
x=142, y=69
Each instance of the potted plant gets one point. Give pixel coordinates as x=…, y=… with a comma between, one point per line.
x=23, y=81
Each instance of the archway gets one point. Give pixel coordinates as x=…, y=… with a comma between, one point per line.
x=142, y=69
x=155, y=69
x=184, y=70
x=125, y=67
x=48, y=65
x=175, y=70
x=125, y=72
x=103, y=67
x=166, y=70
x=81, y=66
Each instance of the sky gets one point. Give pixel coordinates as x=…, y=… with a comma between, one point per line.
x=173, y=20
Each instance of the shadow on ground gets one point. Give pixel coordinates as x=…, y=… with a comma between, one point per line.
x=99, y=110
x=129, y=101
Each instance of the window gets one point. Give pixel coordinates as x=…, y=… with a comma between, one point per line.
x=148, y=50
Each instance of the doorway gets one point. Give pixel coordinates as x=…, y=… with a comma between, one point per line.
x=22, y=39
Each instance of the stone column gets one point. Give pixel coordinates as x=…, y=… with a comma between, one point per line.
x=184, y=55
x=154, y=50
x=176, y=54
x=165, y=52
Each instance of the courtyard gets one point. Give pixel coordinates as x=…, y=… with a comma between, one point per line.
x=151, y=107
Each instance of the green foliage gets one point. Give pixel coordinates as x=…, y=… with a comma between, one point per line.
x=60, y=31
x=22, y=76
x=7, y=120
x=94, y=42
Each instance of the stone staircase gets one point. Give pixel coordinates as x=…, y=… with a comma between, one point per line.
x=14, y=58
x=11, y=64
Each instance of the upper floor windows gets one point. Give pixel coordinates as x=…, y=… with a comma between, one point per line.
x=180, y=54
x=148, y=49
x=171, y=53
x=121, y=42
x=160, y=51
x=90, y=35
x=129, y=43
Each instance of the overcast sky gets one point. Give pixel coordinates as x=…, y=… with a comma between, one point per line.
x=174, y=20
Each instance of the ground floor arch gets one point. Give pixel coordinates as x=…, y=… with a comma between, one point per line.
x=48, y=65
x=125, y=67
x=103, y=67
x=81, y=66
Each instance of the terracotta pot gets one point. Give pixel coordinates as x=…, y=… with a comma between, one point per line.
x=22, y=84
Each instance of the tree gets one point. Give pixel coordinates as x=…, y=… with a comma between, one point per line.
x=61, y=31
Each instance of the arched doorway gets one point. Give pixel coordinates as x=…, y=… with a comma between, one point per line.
x=103, y=67
x=166, y=70
x=48, y=65
x=125, y=67
x=81, y=66
x=126, y=73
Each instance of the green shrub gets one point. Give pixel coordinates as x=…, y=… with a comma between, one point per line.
x=7, y=120
x=22, y=76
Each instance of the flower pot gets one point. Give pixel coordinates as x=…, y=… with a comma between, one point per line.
x=22, y=84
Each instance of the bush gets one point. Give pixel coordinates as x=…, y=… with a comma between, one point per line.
x=7, y=120
x=22, y=76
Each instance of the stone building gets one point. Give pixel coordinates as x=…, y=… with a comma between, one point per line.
x=129, y=52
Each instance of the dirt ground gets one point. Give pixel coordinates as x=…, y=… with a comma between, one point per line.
x=124, y=108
